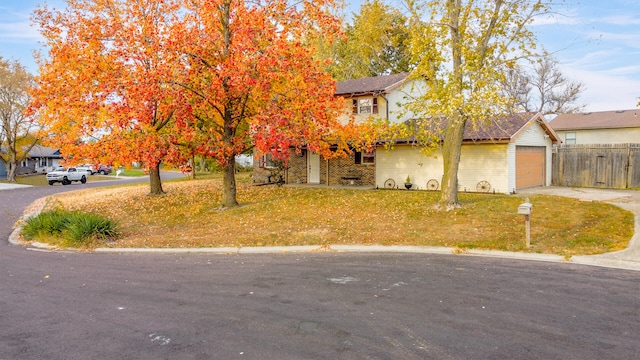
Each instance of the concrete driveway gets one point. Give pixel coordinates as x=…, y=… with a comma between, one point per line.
x=626, y=199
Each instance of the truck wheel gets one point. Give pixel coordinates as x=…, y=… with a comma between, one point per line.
x=66, y=181
x=83, y=179
x=51, y=182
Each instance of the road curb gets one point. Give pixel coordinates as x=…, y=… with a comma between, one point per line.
x=608, y=260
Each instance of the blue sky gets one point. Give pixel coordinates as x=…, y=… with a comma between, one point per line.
x=597, y=42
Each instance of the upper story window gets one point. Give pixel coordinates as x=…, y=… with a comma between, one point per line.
x=364, y=106
x=570, y=138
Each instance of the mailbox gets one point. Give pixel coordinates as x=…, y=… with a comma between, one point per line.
x=525, y=209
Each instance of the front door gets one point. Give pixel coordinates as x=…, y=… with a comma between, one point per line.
x=313, y=168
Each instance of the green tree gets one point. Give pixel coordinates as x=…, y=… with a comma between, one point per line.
x=16, y=128
x=462, y=48
x=375, y=44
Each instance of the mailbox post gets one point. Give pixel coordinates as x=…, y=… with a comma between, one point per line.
x=525, y=209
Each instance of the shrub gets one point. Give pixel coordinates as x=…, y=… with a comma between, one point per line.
x=84, y=226
x=69, y=228
x=45, y=224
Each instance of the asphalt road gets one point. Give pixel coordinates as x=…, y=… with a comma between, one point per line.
x=64, y=305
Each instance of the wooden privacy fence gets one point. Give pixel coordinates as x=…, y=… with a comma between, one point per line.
x=612, y=166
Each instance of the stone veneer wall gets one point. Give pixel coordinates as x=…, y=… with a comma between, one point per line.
x=297, y=171
x=347, y=167
x=337, y=168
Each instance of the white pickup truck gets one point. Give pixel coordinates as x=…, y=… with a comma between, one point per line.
x=66, y=176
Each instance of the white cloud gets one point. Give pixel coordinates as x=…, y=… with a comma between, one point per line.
x=629, y=39
x=18, y=32
x=569, y=18
x=605, y=91
x=620, y=20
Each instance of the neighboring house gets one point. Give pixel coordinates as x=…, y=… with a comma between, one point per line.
x=605, y=127
x=43, y=159
x=39, y=160
x=504, y=156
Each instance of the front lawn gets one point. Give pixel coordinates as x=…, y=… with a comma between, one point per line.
x=188, y=216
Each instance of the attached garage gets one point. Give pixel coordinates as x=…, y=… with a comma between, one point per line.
x=530, y=166
x=503, y=156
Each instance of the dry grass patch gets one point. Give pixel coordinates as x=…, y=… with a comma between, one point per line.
x=189, y=216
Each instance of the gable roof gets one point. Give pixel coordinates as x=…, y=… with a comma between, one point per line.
x=503, y=129
x=370, y=85
x=507, y=128
x=43, y=151
x=597, y=120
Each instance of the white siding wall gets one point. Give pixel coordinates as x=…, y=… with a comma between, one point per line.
x=396, y=164
x=483, y=162
x=401, y=95
x=511, y=167
x=603, y=136
x=533, y=135
x=479, y=162
x=347, y=113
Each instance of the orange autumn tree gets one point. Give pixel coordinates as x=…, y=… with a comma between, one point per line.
x=253, y=82
x=104, y=91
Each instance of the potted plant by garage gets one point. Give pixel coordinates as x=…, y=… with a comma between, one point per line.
x=407, y=183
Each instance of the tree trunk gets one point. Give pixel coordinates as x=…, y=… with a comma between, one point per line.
x=12, y=166
x=192, y=165
x=154, y=180
x=451, y=151
x=454, y=132
x=229, y=199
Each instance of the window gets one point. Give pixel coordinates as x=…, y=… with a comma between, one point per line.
x=570, y=138
x=365, y=158
x=364, y=106
x=368, y=158
x=266, y=161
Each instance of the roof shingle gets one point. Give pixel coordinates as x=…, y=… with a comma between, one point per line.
x=505, y=128
x=377, y=84
x=597, y=120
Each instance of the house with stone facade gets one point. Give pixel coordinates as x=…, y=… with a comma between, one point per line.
x=380, y=96
x=501, y=155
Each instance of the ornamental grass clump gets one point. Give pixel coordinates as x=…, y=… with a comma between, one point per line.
x=70, y=229
x=50, y=223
